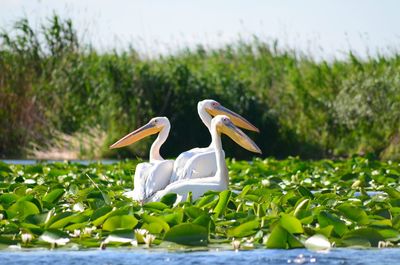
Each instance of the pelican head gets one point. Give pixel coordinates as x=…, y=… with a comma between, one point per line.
x=224, y=125
x=152, y=127
x=214, y=108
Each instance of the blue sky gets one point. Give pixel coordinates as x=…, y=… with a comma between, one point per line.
x=318, y=27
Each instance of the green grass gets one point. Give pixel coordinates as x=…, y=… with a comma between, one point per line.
x=52, y=84
x=271, y=204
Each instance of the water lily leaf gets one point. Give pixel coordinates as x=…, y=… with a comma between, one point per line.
x=4, y=167
x=173, y=218
x=203, y=220
x=392, y=192
x=326, y=231
x=293, y=242
x=291, y=224
x=245, y=229
x=154, y=219
x=120, y=222
x=188, y=234
x=53, y=196
x=7, y=241
x=37, y=219
x=100, y=215
x=348, y=176
x=38, y=168
x=75, y=218
x=8, y=198
x=305, y=192
x=156, y=206
x=194, y=212
x=169, y=199
x=389, y=233
x=224, y=197
x=278, y=238
x=361, y=236
x=325, y=219
x=153, y=228
x=354, y=213
x=60, y=216
x=207, y=200
x=75, y=226
x=22, y=209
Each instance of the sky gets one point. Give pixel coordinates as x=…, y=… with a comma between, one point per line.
x=321, y=28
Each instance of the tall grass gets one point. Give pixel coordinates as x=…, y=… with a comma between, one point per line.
x=50, y=83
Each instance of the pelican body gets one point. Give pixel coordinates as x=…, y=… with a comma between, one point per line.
x=201, y=162
x=154, y=175
x=220, y=180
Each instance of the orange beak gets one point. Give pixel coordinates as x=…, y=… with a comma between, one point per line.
x=234, y=117
x=136, y=135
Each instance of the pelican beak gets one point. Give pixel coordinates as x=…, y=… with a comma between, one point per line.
x=234, y=117
x=239, y=137
x=136, y=135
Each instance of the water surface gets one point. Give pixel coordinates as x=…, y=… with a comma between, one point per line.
x=253, y=257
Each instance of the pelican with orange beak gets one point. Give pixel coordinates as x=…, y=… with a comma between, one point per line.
x=201, y=162
x=218, y=182
x=154, y=175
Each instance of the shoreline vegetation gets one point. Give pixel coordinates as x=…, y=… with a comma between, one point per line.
x=60, y=98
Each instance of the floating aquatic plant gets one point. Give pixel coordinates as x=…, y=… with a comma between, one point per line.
x=271, y=204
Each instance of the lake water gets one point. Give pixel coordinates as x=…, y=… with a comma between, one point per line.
x=253, y=257
x=33, y=161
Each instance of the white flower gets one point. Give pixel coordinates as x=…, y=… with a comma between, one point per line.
x=76, y=233
x=26, y=238
x=140, y=234
x=1, y=216
x=317, y=243
x=265, y=182
x=375, y=172
x=148, y=239
x=88, y=230
x=236, y=244
x=385, y=244
x=78, y=207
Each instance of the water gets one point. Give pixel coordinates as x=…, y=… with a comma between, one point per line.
x=33, y=161
x=254, y=257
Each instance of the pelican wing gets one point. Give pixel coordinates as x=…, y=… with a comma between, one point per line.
x=139, y=180
x=201, y=165
x=182, y=159
x=159, y=176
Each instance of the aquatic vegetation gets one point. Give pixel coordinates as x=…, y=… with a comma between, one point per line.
x=271, y=203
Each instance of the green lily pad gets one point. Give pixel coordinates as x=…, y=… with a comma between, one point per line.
x=54, y=195
x=188, y=234
x=245, y=229
x=120, y=222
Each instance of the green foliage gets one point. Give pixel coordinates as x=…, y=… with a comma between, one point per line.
x=49, y=83
x=271, y=203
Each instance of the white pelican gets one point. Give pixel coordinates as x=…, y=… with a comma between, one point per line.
x=219, y=181
x=153, y=175
x=201, y=162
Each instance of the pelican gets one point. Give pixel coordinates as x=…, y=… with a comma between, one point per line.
x=153, y=175
x=219, y=181
x=201, y=162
